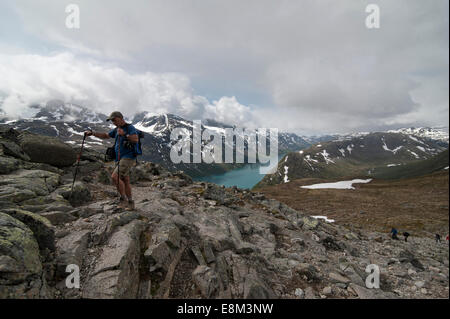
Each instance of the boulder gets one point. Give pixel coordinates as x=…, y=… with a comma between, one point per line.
x=58, y=217
x=42, y=167
x=12, y=149
x=46, y=149
x=42, y=229
x=79, y=196
x=19, y=245
x=20, y=266
x=8, y=165
x=40, y=182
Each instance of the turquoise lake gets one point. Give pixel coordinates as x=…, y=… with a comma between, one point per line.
x=245, y=177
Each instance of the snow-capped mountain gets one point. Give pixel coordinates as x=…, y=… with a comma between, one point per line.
x=434, y=133
x=69, y=121
x=57, y=110
x=440, y=134
x=160, y=127
x=66, y=121
x=358, y=156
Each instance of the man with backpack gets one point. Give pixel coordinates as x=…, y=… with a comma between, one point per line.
x=394, y=233
x=438, y=238
x=126, y=140
x=406, y=235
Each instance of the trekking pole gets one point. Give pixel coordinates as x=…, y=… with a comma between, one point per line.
x=78, y=164
x=118, y=166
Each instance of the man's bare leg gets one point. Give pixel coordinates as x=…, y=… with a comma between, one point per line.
x=119, y=185
x=126, y=181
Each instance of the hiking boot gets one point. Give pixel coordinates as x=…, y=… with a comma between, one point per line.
x=118, y=200
x=130, y=205
x=122, y=204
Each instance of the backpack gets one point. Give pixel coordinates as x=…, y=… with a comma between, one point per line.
x=138, y=149
x=111, y=151
x=138, y=146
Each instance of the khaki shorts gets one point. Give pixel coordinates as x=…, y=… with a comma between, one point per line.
x=125, y=166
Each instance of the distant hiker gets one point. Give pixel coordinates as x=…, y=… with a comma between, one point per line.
x=438, y=238
x=446, y=238
x=126, y=138
x=394, y=233
x=406, y=235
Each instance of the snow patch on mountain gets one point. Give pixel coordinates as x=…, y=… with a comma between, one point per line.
x=414, y=154
x=71, y=130
x=325, y=218
x=395, y=150
x=57, y=131
x=338, y=185
x=286, y=179
x=421, y=148
x=349, y=148
x=325, y=155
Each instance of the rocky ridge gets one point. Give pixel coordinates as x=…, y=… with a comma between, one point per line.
x=185, y=239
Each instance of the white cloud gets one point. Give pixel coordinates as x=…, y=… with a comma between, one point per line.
x=312, y=65
x=229, y=110
x=34, y=79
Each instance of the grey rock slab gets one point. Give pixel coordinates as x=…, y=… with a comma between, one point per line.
x=116, y=273
x=71, y=250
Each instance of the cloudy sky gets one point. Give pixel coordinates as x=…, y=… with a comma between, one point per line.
x=306, y=66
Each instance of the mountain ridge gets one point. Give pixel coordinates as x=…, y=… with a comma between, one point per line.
x=356, y=157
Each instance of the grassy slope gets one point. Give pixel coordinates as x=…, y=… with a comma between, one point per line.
x=414, y=169
x=419, y=205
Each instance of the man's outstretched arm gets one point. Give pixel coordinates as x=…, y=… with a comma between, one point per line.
x=97, y=134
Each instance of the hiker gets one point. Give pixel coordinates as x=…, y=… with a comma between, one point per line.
x=394, y=233
x=406, y=235
x=438, y=238
x=127, y=137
